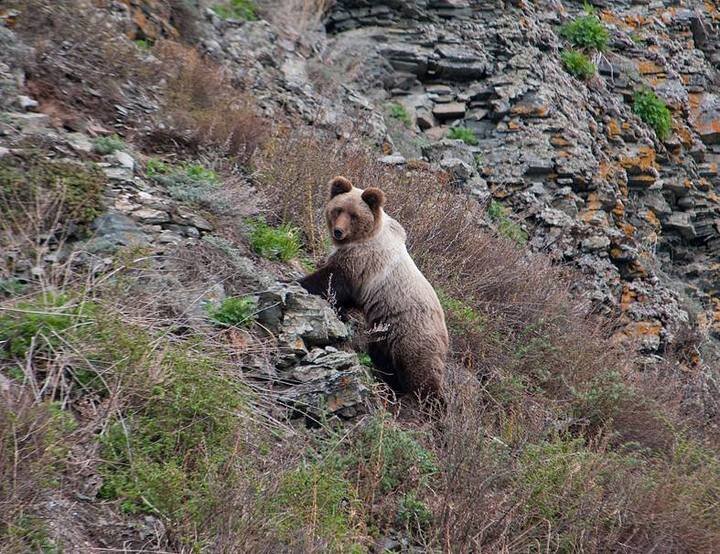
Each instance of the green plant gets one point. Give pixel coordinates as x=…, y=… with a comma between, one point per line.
x=653, y=111
x=506, y=227
x=38, y=323
x=233, y=312
x=155, y=167
x=413, y=513
x=108, y=145
x=394, y=455
x=364, y=359
x=243, y=10
x=398, y=111
x=586, y=32
x=464, y=134
x=281, y=243
x=316, y=496
x=578, y=64
x=159, y=457
x=143, y=44
x=74, y=188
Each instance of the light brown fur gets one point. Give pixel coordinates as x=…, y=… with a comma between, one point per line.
x=371, y=269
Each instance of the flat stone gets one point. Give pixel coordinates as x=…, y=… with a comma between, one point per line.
x=125, y=160
x=80, y=142
x=393, y=159
x=151, y=216
x=27, y=103
x=705, y=117
x=452, y=110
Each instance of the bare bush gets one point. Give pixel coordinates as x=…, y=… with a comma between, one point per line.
x=201, y=108
x=296, y=17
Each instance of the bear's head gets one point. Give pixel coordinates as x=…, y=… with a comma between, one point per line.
x=353, y=214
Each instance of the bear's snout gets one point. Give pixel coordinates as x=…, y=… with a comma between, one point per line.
x=338, y=234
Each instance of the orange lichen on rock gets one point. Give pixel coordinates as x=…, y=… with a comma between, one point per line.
x=642, y=162
x=652, y=219
x=613, y=129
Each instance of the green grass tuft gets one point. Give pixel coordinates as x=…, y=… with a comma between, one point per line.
x=586, y=32
x=108, y=145
x=233, y=312
x=464, y=134
x=243, y=10
x=506, y=227
x=398, y=111
x=578, y=64
x=281, y=243
x=653, y=111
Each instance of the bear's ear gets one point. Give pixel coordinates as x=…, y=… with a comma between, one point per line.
x=339, y=185
x=374, y=197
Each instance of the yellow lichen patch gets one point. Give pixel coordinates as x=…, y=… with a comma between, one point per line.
x=645, y=329
x=613, y=129
x=559, y=141
x=513, y=125
x=628, y=297
x=628, y=229
x=642, y=162
x=652, y=219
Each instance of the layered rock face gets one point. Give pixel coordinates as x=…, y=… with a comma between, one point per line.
x=593, y=185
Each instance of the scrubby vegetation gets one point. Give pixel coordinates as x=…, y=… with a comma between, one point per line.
x=244, y=10
x=464, y=134
x=586, y=32
x=550, y=438
x=578, y=64
x=653, y=111
x=108, y=145
x=398, y=111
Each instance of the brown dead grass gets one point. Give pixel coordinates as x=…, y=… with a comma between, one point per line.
x=549, y=381
x=202, y=108
x=82, y=64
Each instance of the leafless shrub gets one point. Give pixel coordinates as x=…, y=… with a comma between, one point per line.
x=202, y=108
x=296, y=17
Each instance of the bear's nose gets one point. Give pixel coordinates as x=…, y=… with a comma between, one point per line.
x=338, y=234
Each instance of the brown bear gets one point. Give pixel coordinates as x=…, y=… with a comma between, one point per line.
x=371, y=269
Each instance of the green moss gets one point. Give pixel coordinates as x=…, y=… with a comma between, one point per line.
x=506, y=227
x=398, y=111
x=464, y=134
x=159, y=456
x=108, y=145
x=233, y=312
x=281, y=243
x=25, y=182
x=243, y=10
x=364, y=359
x=578, y=64
x=586, y=32
x=653, y=111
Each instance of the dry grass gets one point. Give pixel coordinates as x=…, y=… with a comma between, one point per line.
x=561, y=442
x=202, y=109
x=295, y=17
x=81, y=63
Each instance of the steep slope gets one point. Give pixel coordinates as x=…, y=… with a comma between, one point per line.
x=164, y=386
